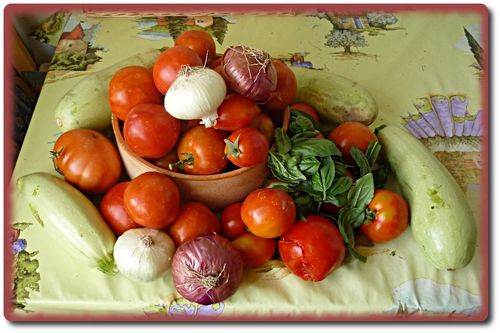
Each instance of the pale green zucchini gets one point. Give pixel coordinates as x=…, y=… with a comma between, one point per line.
x=86, y=105
x=442, y=222
x=336, y=98
x=68, y=214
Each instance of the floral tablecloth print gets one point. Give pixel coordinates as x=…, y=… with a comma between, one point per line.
x=424, y=69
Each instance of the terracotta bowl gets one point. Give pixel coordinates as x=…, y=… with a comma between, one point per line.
x=216, y=191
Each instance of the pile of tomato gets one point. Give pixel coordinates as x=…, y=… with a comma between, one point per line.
x=264, y=222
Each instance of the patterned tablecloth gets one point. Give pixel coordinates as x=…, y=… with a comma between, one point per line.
x=415, y=64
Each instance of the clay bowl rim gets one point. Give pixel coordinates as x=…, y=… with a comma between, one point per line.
x=120, y=140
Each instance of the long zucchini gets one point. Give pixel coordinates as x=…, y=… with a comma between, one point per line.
x=65, y=212
x=86, y=105
x=442, y=222
x=336, y=98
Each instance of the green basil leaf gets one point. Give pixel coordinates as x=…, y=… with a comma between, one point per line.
x=342, y=228
x=310, y=188
x=297, y=114
x=292, y=164
x=309, y=166
x=283, y=144
x=340, y=168
x=361, y=161
x=354, y=216
x=326, y=174
x=315, y=148
x=300, y=123
x=303, y=136
x=281, y=186
x=333, y=200
x=361, y=194
x=349, y=233
x=372, y=152
x=340, y=185
x=345, y=221
x=317, y=184
x=282, y=167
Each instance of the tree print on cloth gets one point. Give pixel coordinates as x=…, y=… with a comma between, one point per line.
x=348, y=31
x=346, y=39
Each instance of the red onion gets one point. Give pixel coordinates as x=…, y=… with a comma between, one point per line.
x=249, y=72
x=207, y=269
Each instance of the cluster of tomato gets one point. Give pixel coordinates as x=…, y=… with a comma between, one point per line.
x=136, y=95
x=90, y=161
x=264, y=220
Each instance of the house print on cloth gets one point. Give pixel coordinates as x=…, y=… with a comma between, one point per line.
x=76, y=49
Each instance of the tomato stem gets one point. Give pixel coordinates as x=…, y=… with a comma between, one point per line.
x=54, y=155
x=233, y=148
x=189, y=160
x=370, y=215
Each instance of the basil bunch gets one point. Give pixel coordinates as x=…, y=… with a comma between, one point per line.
x=313, y=172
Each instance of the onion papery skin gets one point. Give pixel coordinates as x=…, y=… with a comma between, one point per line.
x=196, y=94
x=249, y=72
x=207, y=269
x=143, y=254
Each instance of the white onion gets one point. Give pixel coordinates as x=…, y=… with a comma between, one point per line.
x=143, y=254
x=196, y=94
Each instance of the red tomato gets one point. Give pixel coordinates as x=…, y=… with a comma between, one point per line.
x=170, y=62
x=235, y=113
x=254, y=250
x=246, y=147
x=169, y=161
x=330, y=208
x=352, y=134
x=268, y=212
x=231, y=222
x=219, y=71
x=306, y=108
x=87, y=160
x=131, y=86
x=286, y=87
x=200, y=42
x=390, y=219
x=312, y=249
x=194, y=219
x=216, y=62
x=113, y=210
x=263, y=124
x=152, y=200
x=150, y=131
x=203, y=148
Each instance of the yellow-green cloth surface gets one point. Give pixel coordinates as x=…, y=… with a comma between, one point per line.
x=421, y=55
